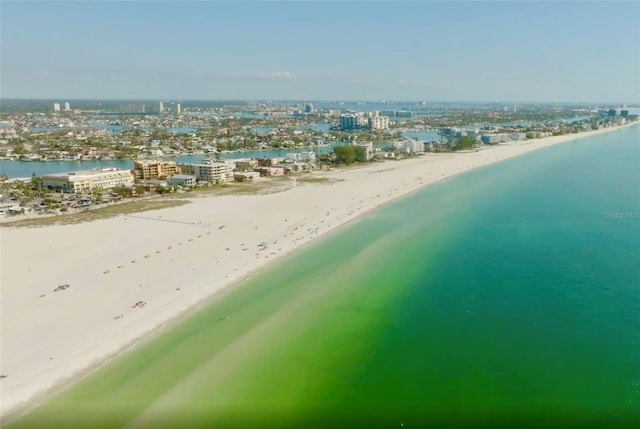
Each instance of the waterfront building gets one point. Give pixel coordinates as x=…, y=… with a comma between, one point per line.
x=87, y=180
x=308, y=108
x=147, y=169
x=210, y=171
x=413, y=146
x=308, y=157
x=267, y=162
x=246, y=175
x=182, y=180
x=348, y=122
x=161, y=107
x=178, y=109
x=494, y=138
x=246, y=164
x=67, y=106
x=474, y=134
x=271, y=171
x=56, y=107
x=378, y=122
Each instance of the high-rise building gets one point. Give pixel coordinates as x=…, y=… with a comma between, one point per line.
x=161, y=107
x=308, y=108
x=348, y=122
x=56, y=107
x=67, y=106
x=178, y=109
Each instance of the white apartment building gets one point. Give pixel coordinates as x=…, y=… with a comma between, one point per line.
x=87, y=180
x=210, y=171
x=378, y=122
x=56, y=107
x=413, y=146
x=67, y=106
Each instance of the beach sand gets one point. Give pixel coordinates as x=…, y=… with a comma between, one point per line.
x=172, y=261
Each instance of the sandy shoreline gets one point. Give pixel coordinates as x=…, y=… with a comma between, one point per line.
x=175, y=260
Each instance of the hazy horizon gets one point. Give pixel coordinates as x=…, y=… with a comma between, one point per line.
x=518, y=52
x=328, y=101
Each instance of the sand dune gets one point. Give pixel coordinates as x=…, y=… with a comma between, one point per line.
x=130, y=275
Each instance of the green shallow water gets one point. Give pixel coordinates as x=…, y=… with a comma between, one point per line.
x=505, y=297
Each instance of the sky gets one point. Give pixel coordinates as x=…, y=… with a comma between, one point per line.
x=405, y=51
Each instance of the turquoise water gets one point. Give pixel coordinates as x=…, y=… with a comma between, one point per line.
x=505, y=297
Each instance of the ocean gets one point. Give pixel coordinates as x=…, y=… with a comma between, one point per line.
x=508, y=296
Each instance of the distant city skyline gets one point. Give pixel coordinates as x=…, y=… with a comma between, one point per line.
x=582, y=52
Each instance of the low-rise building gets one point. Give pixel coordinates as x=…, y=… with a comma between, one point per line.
x=182, y=180
x=268, y=162
x=87, y=180
x=309, y=157
x=246, y=164
x=146, y=169
x=413, y=146
x=210, y=171
x=493, y=138
x=271, y=171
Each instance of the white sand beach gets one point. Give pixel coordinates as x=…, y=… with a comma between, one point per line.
x=174, y=260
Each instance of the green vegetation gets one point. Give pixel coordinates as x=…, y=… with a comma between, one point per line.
x=345, y=154
x=361, y=153
x=465, y=143
x=311, y=179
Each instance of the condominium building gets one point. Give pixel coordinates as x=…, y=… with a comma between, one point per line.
x=67, y=106
x=56, y=107
x=352, y=122
x=87, y=180
x=210, y=171
x=147, y=169
x=378, y=122
x=413, y=146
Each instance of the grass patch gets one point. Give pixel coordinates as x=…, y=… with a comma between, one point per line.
x=322, y=180
x=100, y=213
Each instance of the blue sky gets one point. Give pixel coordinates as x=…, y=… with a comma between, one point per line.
x=433, y=51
